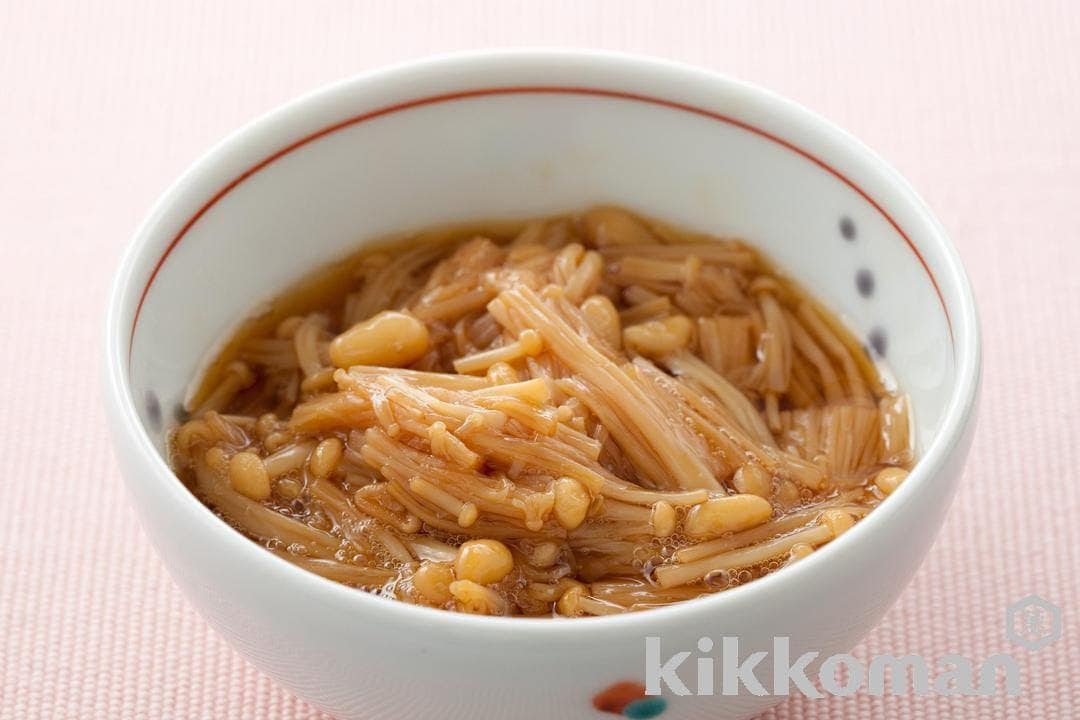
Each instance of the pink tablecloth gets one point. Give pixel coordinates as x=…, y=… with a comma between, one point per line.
x=101, y=105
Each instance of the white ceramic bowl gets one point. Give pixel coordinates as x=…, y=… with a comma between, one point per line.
x=504, y=134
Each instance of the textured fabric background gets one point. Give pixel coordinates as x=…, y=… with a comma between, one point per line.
x=102, y=105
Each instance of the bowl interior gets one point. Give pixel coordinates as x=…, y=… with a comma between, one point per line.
x=313, y=182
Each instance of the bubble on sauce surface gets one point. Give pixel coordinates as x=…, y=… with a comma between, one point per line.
x=718, y=579
x=648, y=571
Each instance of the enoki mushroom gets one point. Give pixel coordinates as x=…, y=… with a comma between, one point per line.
x=584, y=416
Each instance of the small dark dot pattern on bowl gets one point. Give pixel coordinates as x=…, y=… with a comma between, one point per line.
x=879, y=341
x=847, y=228
x=153, y=410
x=865, y=285
x=864, y=282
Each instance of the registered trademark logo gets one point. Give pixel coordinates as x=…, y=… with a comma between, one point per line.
x=1033, y=622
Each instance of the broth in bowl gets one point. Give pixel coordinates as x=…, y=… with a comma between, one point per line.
x=581, y=415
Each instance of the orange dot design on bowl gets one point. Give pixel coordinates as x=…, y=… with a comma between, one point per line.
x=628, y=699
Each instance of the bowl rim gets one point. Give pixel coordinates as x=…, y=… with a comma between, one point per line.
x=128, y=429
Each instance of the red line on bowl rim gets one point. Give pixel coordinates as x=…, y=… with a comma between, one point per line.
x=521, y=90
